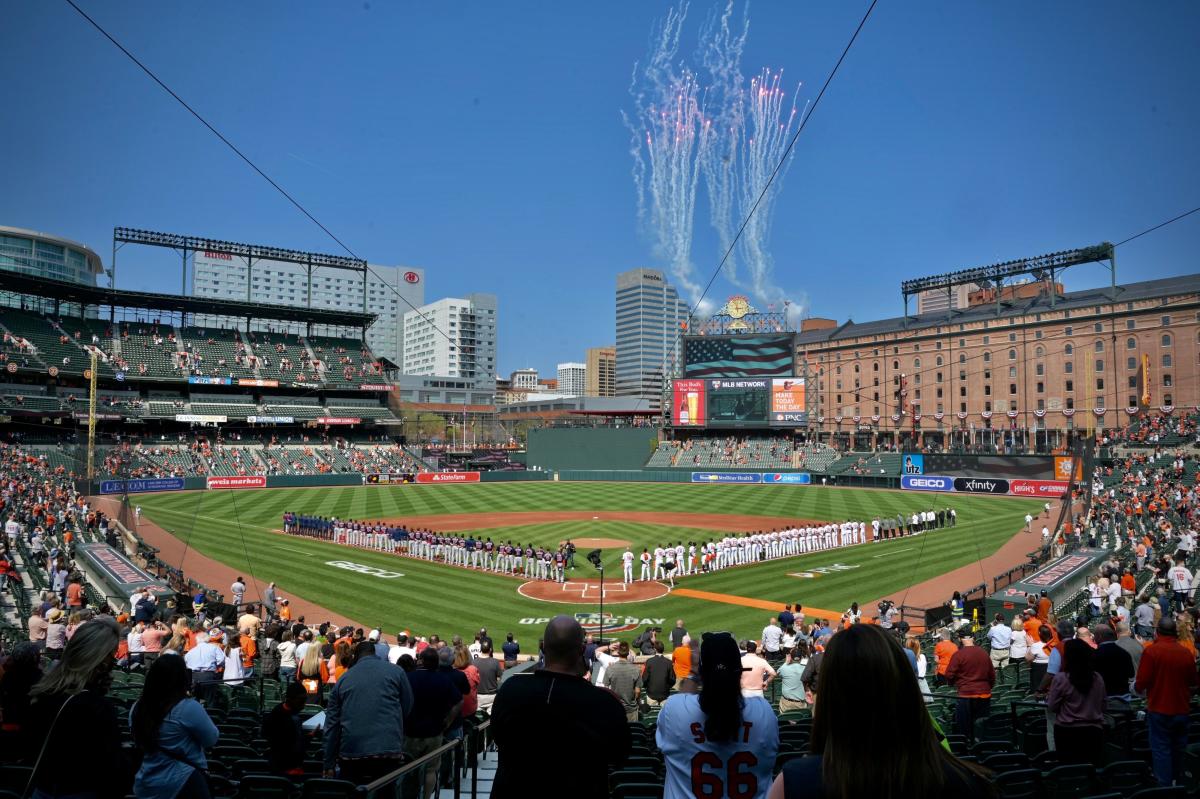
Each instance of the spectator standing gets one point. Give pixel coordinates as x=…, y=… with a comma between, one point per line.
x=365, y=718
x=942, y=652
x=489, y=669
x=1000, y=639
x=283, y=731
x=1112, y=662
x=1039, y=658
x=772, y=637
x=1076, y=699
x=625, y=680
x=922, y=667
x=1167, y=677
x=1018, y=647
x=791, y=676
x=971, y=670
x=678, y=633
x=71, y=701
x=556, y=716
x=681, y=659
x=757, y=673
x=22, y=670
x=867, y=688
x=1127, y=642
x=511, y=649
x=172, y=730
x=707, y=737
x=270, y=600
x=658, y=677
x=436, y=706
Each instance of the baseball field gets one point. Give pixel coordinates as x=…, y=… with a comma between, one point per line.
x=242, y=529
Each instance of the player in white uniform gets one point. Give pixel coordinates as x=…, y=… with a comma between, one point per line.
x=703, y=745
x=627, y=566
x=645, y=558
x=658, y=563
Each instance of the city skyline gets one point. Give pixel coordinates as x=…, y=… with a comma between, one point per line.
x=920, y=159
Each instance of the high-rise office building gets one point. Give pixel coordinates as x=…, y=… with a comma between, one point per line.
x=955, y=298
x=453, y=337
x=600, y=378
x=278, y=283
x=524, y=380
x=572, y=378
x=649, y=315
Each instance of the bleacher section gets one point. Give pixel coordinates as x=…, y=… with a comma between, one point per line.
x=281, y=357
x=151, y=351
x=217, y=353
x=346, y=362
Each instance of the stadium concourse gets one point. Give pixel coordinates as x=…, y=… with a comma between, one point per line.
x=1094, y=695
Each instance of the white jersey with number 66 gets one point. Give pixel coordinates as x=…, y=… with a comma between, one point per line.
x=701, y=769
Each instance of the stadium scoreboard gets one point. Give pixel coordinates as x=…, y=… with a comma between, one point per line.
x=744, y=402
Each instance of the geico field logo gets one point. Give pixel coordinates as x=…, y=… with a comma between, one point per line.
x=361, y=569
x=926, y=482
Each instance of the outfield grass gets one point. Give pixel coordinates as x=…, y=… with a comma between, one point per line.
x=236, y=528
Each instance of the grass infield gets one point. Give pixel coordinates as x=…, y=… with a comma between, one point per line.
x=238, y=528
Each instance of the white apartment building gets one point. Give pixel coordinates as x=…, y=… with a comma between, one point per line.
x=572, y=379
x=217, y=275
x=453, y=337
x=524, y=380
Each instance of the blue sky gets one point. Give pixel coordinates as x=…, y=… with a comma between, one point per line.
x=483, y=141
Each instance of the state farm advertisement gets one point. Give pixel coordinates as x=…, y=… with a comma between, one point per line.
x=247, y=481
x=448, y=477
x=687, y=404
x=1038, y=488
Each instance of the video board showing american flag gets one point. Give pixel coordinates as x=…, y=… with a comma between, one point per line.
x=739, y=356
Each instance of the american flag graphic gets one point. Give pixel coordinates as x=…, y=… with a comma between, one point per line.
x=739, y=356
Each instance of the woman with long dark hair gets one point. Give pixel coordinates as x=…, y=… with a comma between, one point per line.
x=1076, y=699
x=172, y=730
x=718, y=742
x=69, y=705
x=867, y=691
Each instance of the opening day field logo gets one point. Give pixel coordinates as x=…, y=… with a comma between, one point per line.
x=591, y=622
x=819, y=570
x=361, y=569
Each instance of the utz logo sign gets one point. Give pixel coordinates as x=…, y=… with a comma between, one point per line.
x=612, y=624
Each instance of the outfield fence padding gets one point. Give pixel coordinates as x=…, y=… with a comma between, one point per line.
x=555, y=449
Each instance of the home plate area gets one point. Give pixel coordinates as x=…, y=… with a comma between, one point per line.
x=587, y=592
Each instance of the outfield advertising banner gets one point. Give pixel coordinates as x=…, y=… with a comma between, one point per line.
x=337, y=420
x=1064, y=467
x=448, y=477
x=980, y=485
x=200, y=418
x=1038, y=488
x=788, y=404
x=727, y=477
x=926, y=482
x=913, y=464
x=201, y=380
x=257, y=382
x=244, y=481
x=788, y=478
x=687, y=403
x=270, y=419
x=141, y=486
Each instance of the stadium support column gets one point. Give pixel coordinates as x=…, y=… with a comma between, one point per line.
x=91, y=445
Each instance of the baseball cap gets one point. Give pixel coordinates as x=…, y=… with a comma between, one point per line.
x=373, y=635
x=719, y=652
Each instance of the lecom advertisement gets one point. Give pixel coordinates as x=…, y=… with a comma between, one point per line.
x=687, y=405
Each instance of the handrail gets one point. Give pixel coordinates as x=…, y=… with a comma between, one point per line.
x=394, y=777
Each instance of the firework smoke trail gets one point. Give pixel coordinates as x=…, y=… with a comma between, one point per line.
x=667, y=132
x=721, y=48
x=770, y=123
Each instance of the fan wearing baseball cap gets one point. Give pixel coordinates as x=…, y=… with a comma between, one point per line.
x=718, y=742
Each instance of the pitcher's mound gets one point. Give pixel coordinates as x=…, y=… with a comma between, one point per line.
x=601, y=543
x=587, y=592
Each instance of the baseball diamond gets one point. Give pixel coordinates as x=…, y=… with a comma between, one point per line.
x=242, y=531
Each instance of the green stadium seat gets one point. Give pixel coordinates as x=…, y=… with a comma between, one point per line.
x=1019, y=784
x=1072, y=781
x=264, y=786
x=1126, y=776
x=328, y=789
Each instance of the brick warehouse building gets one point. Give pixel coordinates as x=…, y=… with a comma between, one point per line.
x=1033, y=371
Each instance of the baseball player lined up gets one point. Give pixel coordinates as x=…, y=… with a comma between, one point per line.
x=680, y=560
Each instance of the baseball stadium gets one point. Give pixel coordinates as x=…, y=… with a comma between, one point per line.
x=277, y=525
x=265, y=471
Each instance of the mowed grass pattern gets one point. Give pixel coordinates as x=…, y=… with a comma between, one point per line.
x=236, y=528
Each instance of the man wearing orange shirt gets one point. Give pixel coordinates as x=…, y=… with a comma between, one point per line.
x=1044, y=606
x=681, y=659
x=943, y=652
x=249, y=647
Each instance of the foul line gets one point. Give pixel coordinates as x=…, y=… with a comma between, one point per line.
x=893, y=552
x=747, y=602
